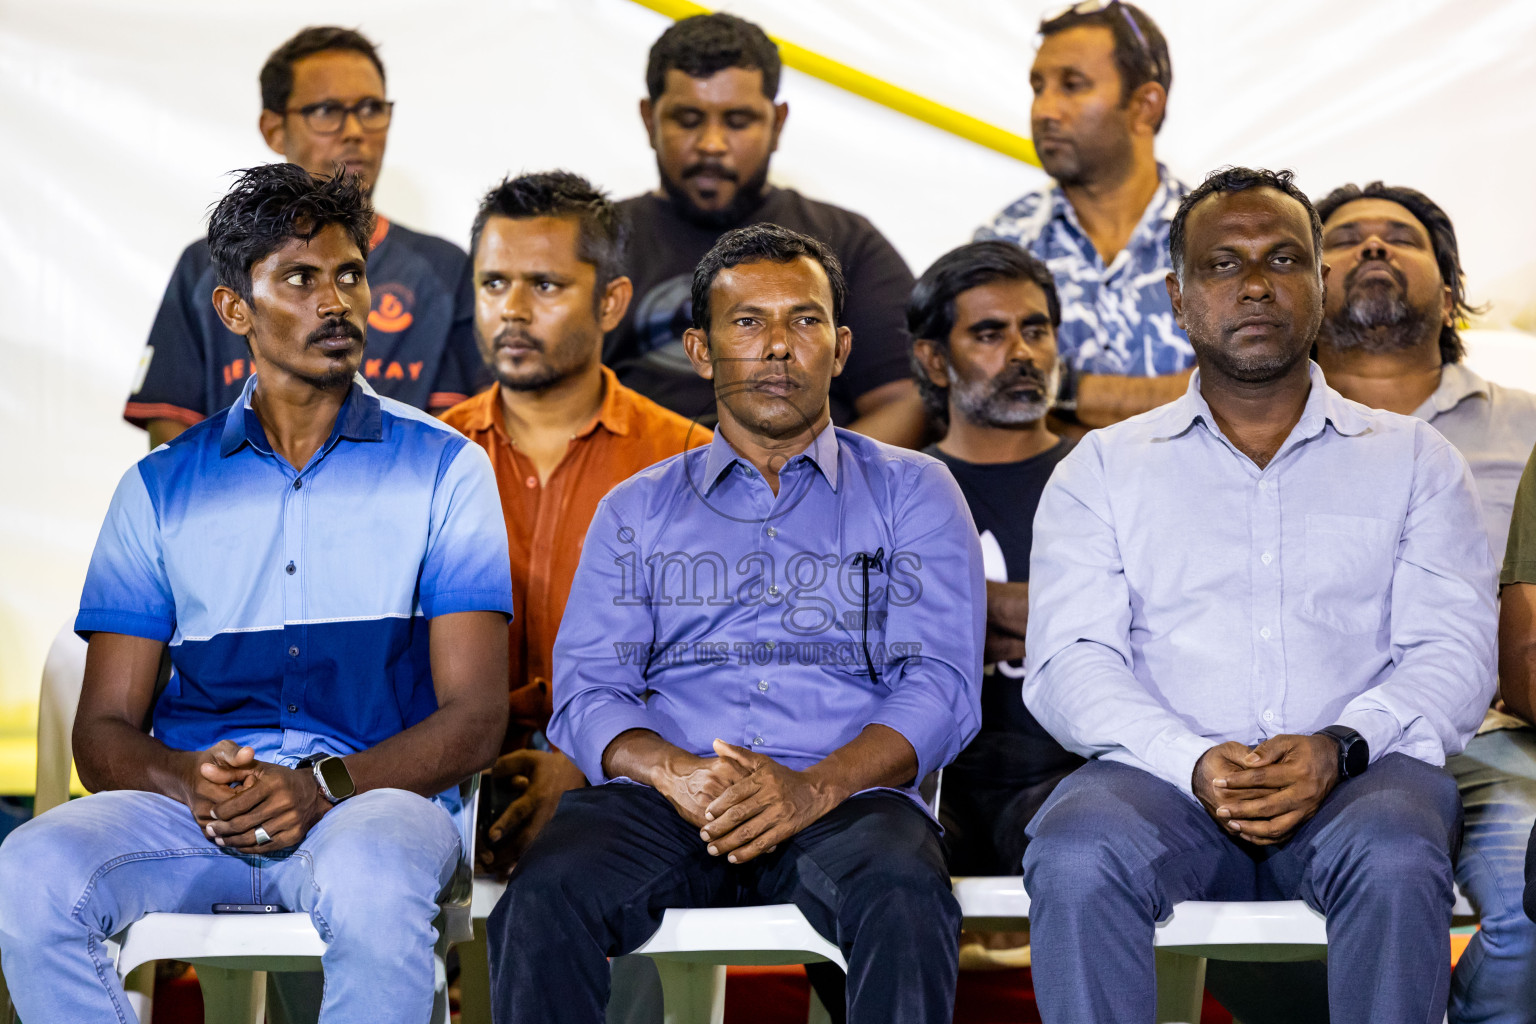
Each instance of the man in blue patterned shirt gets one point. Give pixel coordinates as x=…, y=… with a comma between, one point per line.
x=1100, y=82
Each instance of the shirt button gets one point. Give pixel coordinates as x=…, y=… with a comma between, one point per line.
x=1264, y=632
x=774, y=590
x=757, y=741
x=772, y=532
x=293, y=709
x=293, y=652
x=1263, y=485
x=762, y=684
x=532, y=481
x=770, y=645
x=1266, y=558
x=1269, y=716
x=298, y=485
x=290, y=570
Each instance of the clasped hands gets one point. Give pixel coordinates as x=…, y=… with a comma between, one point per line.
x=230, y=794
x=744, y=803
x=1264, y=794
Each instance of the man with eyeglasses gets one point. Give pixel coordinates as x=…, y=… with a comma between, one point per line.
x=324, y=108
x=1100, y=81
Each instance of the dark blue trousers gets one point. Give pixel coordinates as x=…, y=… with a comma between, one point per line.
x=870, y=877
x=1115, y=848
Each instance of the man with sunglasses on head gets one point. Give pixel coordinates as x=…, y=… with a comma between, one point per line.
x=1100, y=81
x=324, y=108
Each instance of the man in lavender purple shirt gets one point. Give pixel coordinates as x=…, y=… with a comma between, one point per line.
x=1267, y=614
x=769, y=642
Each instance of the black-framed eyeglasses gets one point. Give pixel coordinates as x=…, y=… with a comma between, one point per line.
x=328, y=116
x=1154, y=65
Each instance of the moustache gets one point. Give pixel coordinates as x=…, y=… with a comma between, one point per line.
x=1018, y=378
x=335, y=329
x=1393, y=272
x=517, y=336
x=711, y=168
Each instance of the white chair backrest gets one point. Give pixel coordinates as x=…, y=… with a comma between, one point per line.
x=63, y=675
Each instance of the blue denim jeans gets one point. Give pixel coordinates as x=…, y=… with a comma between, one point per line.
x=1115, y=848
x=1495, y=979
x=368, y=874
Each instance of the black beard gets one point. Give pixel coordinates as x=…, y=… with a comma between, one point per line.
x=749, y=196
x=1377, y=319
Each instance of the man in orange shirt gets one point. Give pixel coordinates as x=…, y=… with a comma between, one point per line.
x=561, y=432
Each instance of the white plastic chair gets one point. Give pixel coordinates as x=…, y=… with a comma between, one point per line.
x=1277, y=931
x=232, y=953
x=691, y=950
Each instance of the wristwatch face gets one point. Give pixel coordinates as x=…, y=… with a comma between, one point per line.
x=337, y=779
x=1357, y=755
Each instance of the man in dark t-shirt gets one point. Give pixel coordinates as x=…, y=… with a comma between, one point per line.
x=713, y=123
x=983, y=319
x=324, y=109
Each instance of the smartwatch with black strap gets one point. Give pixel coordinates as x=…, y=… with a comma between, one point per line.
x=331, y=776
x=1354, y=752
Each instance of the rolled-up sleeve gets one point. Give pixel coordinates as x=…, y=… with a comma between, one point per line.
x=600, y=651
x=1444, y=616
x=1078, y=681
x=935, y=699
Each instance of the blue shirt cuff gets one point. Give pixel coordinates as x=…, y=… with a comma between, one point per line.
x=595, y=728
x=453, y=601
x=109, y=620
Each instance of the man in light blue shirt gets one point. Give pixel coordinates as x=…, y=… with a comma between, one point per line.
x=328, y=572
x=1268, y=614
x=770, y=640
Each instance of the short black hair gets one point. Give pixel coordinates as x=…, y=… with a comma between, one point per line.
x=705, y=44
x=764, y=243
x=600, y=240
x=1141, y=51
x=931, y=309
x=1442, y=239
x=1239, y=179
x=277, y=72
x=273, y=203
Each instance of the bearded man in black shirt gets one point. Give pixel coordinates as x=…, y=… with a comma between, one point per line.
x=983, y=319
x=713, y=123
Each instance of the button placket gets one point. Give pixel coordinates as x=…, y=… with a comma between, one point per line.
x=1269, y=655
x=295, y=500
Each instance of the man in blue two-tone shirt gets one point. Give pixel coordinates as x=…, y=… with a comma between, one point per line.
x=1100, y=83
x=323, y=107
x=1267, y=614
x=329, y=570
x=780, y=635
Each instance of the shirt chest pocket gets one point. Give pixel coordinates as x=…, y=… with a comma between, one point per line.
x=1349, y=571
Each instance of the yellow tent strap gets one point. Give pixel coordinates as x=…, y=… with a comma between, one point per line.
x=871, y=88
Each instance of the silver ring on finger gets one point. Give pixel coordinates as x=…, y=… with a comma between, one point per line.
x=262, y=838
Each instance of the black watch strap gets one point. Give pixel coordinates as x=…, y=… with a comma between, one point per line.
x=1354, y=751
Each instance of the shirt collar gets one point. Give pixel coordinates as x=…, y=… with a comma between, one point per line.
x=1324, y=406
x=616, y=414
x=1163, y=206
x=822, y=453
x=1457, y=383
x=361, y=419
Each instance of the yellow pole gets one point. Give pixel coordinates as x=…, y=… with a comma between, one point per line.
x=871, y=88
